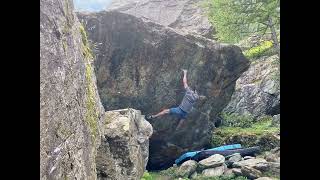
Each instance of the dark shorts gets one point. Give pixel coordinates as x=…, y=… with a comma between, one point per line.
x=178, y=112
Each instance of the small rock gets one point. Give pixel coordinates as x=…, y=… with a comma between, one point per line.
x=235, y=158
x=236, y=171
x=187, y=168
x=194, y=175
x=274, y=168
x=276, y=120
x=263, y=178
x=275, y=150
x=262, y=166
x=272, y=158
x=228, y=172
x=228, y=157
x=273, y=155
x=211, y=172
x=248, y=162
x=228, y=163
x=212, y=161
x=248, y=157
x=250, y=172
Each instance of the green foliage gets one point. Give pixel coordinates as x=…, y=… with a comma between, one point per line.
x=223, y=16
x=258, y=51
x=169, y=172
x=272, y=175
x=151, y=176
x=257, y=132
x=235, y=20
x=146, y=176
x=235, y=120
x=258, y=128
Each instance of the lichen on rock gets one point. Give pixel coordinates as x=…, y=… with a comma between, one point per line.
x=70, y=107
x=124, y=151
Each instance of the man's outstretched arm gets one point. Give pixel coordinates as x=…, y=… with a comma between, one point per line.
x=184, y=80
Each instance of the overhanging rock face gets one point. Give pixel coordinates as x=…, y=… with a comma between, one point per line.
x=138, y=65
x=187, y=16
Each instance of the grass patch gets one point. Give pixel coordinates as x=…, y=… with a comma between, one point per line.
x=258, y=128
x=147, y=176
x=151, y=176
x=259, y=133
x=235, y=120
x=171, y=172
x=264, y=48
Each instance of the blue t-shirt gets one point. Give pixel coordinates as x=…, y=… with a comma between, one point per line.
x=188, y=100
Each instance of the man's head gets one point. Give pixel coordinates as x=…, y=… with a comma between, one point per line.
x=201, y=97
x=195, y=87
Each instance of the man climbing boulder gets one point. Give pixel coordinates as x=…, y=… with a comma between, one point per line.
x=189, y=99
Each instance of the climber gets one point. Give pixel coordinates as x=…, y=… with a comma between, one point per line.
x=190, y=97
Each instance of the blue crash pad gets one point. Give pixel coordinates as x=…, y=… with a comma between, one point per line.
x=193, y=153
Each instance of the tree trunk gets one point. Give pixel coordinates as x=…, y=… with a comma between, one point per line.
x=274, y=36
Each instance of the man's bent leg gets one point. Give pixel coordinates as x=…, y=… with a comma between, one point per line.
x=163, y=112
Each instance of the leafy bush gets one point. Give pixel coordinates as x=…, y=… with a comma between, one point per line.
x=260, y=50
x=146, y=176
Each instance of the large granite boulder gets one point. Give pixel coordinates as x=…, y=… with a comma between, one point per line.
x=138, y=65
x=124, y=150
x=257, y=91
x=187, y=16
x=70, y=108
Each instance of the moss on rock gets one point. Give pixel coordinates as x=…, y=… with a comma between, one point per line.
x=261, y=134
x=86, y=50
x=92, y=112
